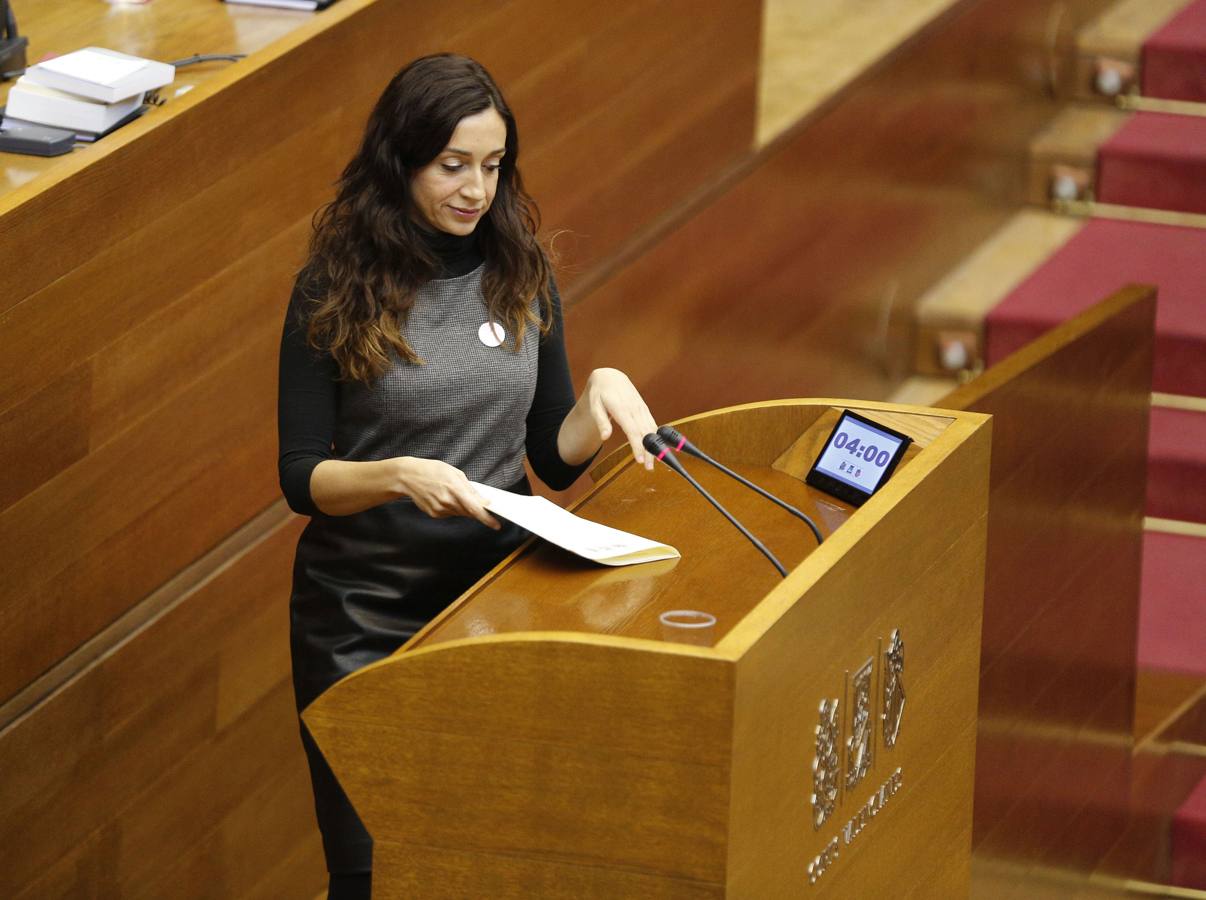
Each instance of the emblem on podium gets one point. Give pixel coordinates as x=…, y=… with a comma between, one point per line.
x=845, y=742
x=825, y=765
x=860, y=746
x=894, y=692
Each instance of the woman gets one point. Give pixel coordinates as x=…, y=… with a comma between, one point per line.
x=422, y=350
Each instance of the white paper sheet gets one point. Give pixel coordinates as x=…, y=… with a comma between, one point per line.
x=590, y=540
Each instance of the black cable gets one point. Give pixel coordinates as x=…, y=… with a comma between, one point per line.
x=724, y=512
x=207, y=57
x=666, y=431
x=769, y=496
x=669, y=459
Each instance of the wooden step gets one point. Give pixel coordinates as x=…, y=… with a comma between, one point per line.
x=1065, y=158
x=1155, y=160
x=1176, y=462
x=1098, y=259
x=1066, y=151
x=1161, y=698
x=952, y=313
x=812, y=50
x=1116, y=39
x=1169, y=794
x=1172, y=620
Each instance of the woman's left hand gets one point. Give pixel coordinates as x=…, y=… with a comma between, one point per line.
x=609, y=396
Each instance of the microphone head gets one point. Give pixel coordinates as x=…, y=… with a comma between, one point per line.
x=662, y=451
x=671, y=436
x=654, y=444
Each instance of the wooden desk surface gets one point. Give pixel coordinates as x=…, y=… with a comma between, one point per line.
x=548, y=589
x=551, y=590
x=164, y=30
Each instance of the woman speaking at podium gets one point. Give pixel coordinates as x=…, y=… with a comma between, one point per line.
x=422, y=350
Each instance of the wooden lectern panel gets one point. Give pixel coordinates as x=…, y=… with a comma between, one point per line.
x=1062, y=591
x=540, y=740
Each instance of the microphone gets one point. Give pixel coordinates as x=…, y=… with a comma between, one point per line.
x=12, y=44
x=678, y=442
x=659, y=448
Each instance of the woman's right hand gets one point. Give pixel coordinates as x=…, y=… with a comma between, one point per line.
x=441, y=490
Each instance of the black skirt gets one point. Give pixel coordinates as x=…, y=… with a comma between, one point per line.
x=362, y=586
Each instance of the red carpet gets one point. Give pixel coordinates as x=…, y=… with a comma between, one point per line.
x=1188, y=850
x=1172, y=609
x=1174, y=58
x=1103, y=257
x=1156, y=161
x=1176, y=466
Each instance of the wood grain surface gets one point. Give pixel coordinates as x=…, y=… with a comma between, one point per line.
x=604, y=761
x=797, y=277
x=1057, y=676
x=171, y=766
x=582, y=597
x=77, y=317
x=123, y=348
x=145, y=280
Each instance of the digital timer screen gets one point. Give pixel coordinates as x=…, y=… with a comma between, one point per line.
x=858, y=458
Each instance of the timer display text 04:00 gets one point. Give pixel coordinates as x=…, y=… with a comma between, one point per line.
x=867, y=452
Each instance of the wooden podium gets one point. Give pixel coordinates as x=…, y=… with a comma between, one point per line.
x=544, y=738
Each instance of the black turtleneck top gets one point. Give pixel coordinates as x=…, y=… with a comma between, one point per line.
x=467, y=405
x=458, y=254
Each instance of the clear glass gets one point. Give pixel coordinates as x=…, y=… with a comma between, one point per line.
x=688, y=626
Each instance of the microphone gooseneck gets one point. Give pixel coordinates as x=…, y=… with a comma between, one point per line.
x=675, y=439
x=659, y=448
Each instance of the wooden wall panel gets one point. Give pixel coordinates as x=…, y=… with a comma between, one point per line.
x=148, y=740
x=130, y=281
x=138, y=322
x=88, y=544
x=796, y=278
x=171, y=766
x=45, y=434
x=158, y=359
x=1062, y=587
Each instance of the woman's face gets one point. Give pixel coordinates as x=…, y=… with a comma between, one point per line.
x=454, y=190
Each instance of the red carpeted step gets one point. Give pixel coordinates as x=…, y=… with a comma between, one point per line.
x=1155, y=161
x=1174, y=58
x=1101, y=258
x=1172, y=604
x=1176, y=466
x=1188, y=844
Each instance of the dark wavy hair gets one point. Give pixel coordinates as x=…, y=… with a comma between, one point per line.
x=367, y=252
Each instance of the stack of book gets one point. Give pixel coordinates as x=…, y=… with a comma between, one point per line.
x=90, y=92
x=309, y=5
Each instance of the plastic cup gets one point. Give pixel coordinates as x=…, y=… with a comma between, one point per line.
x=688, y=626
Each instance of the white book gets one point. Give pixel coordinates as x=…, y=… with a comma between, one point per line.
x=101, y=74
x=307, y=5
x=32, y=102
x=590, y=540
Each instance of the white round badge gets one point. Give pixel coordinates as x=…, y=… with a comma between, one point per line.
x=491, y=334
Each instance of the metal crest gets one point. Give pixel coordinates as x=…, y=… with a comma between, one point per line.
x=894, y=691
x=860, y=746
x=825, y=765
